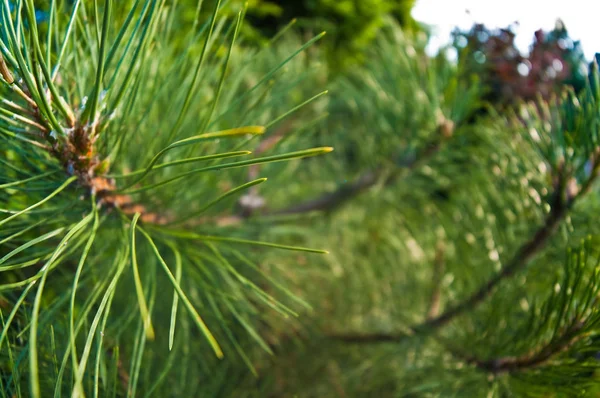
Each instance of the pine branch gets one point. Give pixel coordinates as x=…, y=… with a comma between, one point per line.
x=558, y=210
x=537, y=358
x=332, y=201
x=520, y=259
x=368, y=338
x=518, y=262
x=78, y=156
x=110, y=132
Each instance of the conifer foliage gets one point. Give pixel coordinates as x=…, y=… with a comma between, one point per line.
x=465, y=254
x=143, y=253
x=115, y=152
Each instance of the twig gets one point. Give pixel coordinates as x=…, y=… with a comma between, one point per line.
x=520, y=259
x=535, y=359
x=368, y=338
x=332, y=201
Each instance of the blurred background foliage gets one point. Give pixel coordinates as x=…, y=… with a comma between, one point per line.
x=351, y=25
x=554, y=60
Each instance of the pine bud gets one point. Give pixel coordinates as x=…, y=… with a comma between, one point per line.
x=445, y=126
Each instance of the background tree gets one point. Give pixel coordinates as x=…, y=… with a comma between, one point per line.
x=351, y=25
x=554, y=60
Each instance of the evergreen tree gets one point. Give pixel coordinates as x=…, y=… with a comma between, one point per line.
x=143, y=254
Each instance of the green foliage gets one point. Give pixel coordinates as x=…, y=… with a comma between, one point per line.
x=190, y=12
x=143, y=252
x=115, y=149
x=418, y=101
x=353, y=24
x=504, y=200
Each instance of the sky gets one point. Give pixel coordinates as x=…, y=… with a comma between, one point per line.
x=581, y=18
